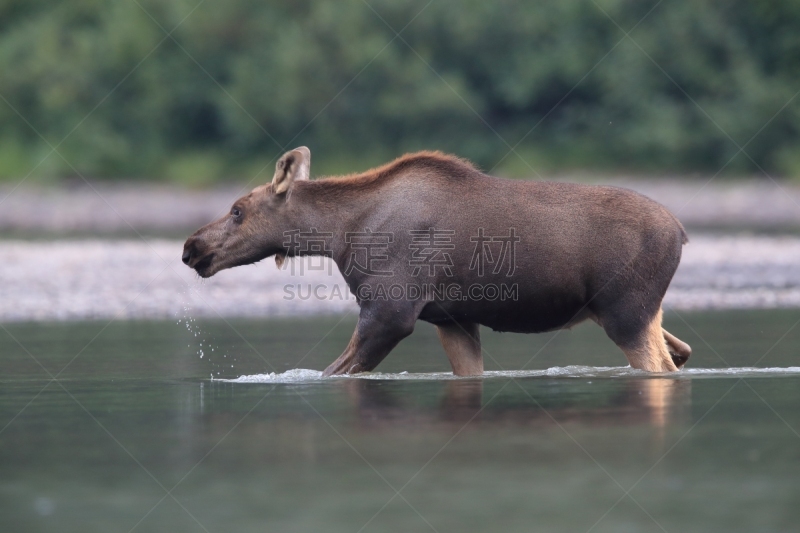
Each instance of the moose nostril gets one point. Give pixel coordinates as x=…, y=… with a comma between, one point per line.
x=187, y=256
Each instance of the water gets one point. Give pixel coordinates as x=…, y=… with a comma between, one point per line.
x=551, y=440
x=305, y=375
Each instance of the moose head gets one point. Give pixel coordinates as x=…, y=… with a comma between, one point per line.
x=254, y=227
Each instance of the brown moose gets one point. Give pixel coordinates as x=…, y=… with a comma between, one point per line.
x=430, y=237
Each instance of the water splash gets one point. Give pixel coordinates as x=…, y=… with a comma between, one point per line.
x=205, y=347
x=296, y=375
x=302, y=375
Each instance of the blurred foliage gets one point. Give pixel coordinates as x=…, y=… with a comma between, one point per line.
x=175, y=90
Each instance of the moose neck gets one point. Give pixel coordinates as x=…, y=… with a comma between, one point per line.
x=330, y=207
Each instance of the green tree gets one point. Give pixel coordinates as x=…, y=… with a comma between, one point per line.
x=237, y=81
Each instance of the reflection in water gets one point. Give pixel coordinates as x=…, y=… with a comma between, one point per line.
x=462, y=400
x=657, y=402
x=668, y=401
x=295, y=420
x=665, y=398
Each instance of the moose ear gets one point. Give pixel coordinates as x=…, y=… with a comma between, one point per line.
x=292, y=166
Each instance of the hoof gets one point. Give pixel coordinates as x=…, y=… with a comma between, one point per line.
x=338, y=369
x=679, y=360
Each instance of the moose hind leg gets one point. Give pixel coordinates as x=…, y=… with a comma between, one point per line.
x=678, y=350
x=642, y=342
x=462, y=344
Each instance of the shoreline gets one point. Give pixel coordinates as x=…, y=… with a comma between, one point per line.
x=69, y=280
x=151, y=209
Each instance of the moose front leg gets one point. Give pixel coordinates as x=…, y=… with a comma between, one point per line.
x=378, y=331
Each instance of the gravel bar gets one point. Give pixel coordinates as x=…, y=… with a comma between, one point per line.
x=153, y=209
x=145, y=279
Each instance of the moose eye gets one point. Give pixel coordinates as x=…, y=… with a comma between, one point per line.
x=236, y=212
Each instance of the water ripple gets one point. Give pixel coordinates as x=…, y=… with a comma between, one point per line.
x=303, y=375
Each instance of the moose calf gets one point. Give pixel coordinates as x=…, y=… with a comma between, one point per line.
x=430, y=237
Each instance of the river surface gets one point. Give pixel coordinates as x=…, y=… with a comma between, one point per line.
x=119, y=427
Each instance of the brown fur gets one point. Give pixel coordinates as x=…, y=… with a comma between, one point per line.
x=462, y=345
x=649, y=351
x=581, y=252
x=433, y=160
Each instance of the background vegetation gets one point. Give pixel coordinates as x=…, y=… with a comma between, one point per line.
x=237, y=81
